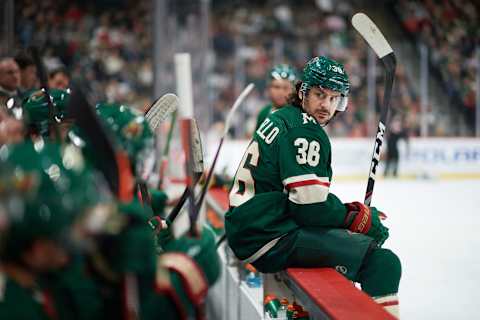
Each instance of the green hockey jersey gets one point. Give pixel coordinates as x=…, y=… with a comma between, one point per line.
x=263, y=114
x=19, y=303
x=282, y=183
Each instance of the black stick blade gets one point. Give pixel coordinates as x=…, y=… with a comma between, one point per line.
x=87, y=120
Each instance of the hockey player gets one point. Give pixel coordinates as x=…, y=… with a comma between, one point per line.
x=36, y=112
x=44, y=193
x=281, y=211
x=281, y=85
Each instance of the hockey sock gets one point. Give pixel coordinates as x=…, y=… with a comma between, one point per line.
x=389, y=303
x=380, y=277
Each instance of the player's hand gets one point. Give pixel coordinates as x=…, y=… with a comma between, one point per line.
x=363, y=219
x=163, y=234
x=11, y=130
x=157, y=224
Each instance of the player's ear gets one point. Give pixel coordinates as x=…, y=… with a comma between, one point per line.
x=300, y=95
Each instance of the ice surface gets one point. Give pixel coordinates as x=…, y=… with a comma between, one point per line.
x=435, y=230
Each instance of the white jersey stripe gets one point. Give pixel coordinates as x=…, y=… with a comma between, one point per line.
x=307, y=194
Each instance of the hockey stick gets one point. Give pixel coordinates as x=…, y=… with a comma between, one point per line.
x=228, y=122
x=166, y=150
x=204, y=190
x=187, y=145
x=160, y=109
x=42, y=76
x=375, y=39
x=156, y=113
x=198, y=166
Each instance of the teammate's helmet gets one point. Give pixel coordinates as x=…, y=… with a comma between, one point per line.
x=36, y=111
x=132, y=132
x=283, y=72
x=44, y=189
x=326, y=73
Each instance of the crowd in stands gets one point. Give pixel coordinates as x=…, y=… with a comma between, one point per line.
x=451, y=30
x=112, y=50
x=247, y=40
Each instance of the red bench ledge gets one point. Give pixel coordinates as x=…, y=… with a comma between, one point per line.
x=329, y=295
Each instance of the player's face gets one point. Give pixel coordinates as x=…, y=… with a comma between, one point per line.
x=321, y=103
x=9, y=75
x=29, y=77
x=46, y=255
x=279, y=91
x=59, y=81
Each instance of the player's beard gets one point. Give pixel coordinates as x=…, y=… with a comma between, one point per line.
x=321, y=115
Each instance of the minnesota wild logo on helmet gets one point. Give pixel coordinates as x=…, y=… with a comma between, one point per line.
x=283, y=72
x=326, y=73
x=44, y=189
x=36, y=111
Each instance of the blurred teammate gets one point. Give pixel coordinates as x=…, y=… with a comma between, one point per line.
x=45, y=190
x=281, y=85
x=36, y=113
x=58, y=79
x=282, y=213
x=11, y=129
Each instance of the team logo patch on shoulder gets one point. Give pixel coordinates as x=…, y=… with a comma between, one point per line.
x=307, y=118
x=133, y=129
x=37, y=95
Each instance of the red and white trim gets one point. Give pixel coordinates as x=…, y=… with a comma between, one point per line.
x=307, y=188
x=390, y=304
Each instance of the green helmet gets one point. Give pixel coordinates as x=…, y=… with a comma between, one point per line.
x=132, y=132
x=283, y=72
x=36, y=111
x=44, y=189
x=326, y=73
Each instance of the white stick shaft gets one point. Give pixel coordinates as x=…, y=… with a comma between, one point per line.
x=183, y=72
x=235, y=106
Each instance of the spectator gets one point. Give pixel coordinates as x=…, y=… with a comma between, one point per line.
x=28, y=72
x=451, y=32
x=9, y=80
